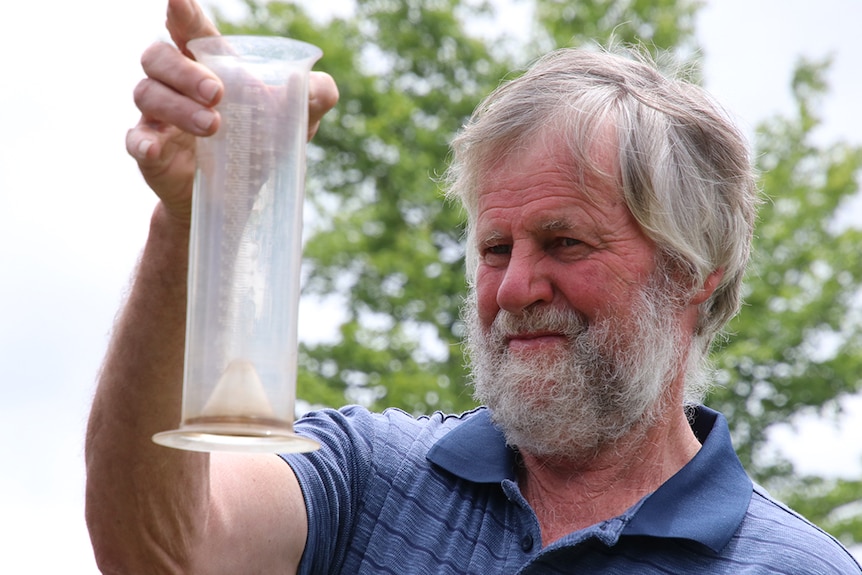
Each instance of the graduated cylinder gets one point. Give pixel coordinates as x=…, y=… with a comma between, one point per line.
x=239, y=387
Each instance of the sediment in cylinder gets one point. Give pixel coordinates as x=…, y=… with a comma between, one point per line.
x=238, y=393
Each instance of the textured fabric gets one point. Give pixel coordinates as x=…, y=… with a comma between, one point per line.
x=388, y=493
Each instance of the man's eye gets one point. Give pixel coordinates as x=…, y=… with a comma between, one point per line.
x=569, y=242
x=499, y=249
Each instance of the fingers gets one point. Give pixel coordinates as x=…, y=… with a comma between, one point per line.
x=322, y=97
x=163, y=63
x=176, y=101
x=142, y=143
x=178, y=91
x=186, y=21
x=165, y=157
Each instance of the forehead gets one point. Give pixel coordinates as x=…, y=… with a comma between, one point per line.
x=544, y=179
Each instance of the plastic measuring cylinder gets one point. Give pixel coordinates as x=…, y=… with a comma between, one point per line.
x=239, y=386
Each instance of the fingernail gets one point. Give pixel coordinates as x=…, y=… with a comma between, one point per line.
x=203, y=119
x=208, y=88
x=142, y=149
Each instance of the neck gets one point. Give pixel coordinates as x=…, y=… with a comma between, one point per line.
x=570, y=495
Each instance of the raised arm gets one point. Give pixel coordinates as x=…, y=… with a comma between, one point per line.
x=152, y=509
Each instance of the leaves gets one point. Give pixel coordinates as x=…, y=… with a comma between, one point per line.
x=796, y=347
x=410, y=72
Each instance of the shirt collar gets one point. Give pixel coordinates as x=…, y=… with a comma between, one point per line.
x=705, y=501
x=476, y=450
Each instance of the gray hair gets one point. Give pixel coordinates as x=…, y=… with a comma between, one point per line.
x=685, y=171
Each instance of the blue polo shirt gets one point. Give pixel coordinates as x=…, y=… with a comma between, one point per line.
x=389, y=493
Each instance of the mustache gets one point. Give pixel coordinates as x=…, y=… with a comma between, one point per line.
x=566, y=322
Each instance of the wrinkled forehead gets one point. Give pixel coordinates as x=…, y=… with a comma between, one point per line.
x=584, y=161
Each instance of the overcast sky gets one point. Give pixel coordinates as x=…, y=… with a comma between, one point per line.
x=74, y=213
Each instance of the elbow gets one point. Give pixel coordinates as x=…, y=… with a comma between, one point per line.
x=120, y=548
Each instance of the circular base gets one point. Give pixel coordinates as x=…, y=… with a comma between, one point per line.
x=253, y=441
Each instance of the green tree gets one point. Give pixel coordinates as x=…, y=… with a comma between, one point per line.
x=410, y=72
x=796, y=348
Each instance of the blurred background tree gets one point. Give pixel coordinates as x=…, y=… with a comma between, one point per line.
x=387, y=249
x=795, y=349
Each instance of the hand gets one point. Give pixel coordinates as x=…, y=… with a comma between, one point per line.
x=176, y=101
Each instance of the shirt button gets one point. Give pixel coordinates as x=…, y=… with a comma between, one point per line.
x=526, y=543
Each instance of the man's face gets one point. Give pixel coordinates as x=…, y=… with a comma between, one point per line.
x=545, y=241
x=571, y=339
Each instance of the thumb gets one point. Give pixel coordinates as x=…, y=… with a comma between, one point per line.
x=186, y=21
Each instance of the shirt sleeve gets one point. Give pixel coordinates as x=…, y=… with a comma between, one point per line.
x=332, y=480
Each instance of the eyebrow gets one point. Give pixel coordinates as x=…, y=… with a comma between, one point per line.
x=491, y=237
x=557, y=225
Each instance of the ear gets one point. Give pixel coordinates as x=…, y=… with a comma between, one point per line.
x=710, y=283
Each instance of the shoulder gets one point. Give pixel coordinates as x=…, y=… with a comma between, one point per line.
x=355, y=433
x=393, y=424
x=369, y=472
x=774, y=535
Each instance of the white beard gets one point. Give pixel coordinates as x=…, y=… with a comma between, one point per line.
x=572, y=401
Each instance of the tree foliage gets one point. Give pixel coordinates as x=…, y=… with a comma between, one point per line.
x=796, y=348
x=410, y=72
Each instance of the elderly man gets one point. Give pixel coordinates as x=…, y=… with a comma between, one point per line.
x=610, y=213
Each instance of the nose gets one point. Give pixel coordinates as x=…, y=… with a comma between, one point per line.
x=524, y=283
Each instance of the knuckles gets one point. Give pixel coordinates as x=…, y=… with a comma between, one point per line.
x=154, y=54
x=141, y=92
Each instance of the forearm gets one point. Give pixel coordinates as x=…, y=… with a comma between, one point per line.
x=145, y=503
